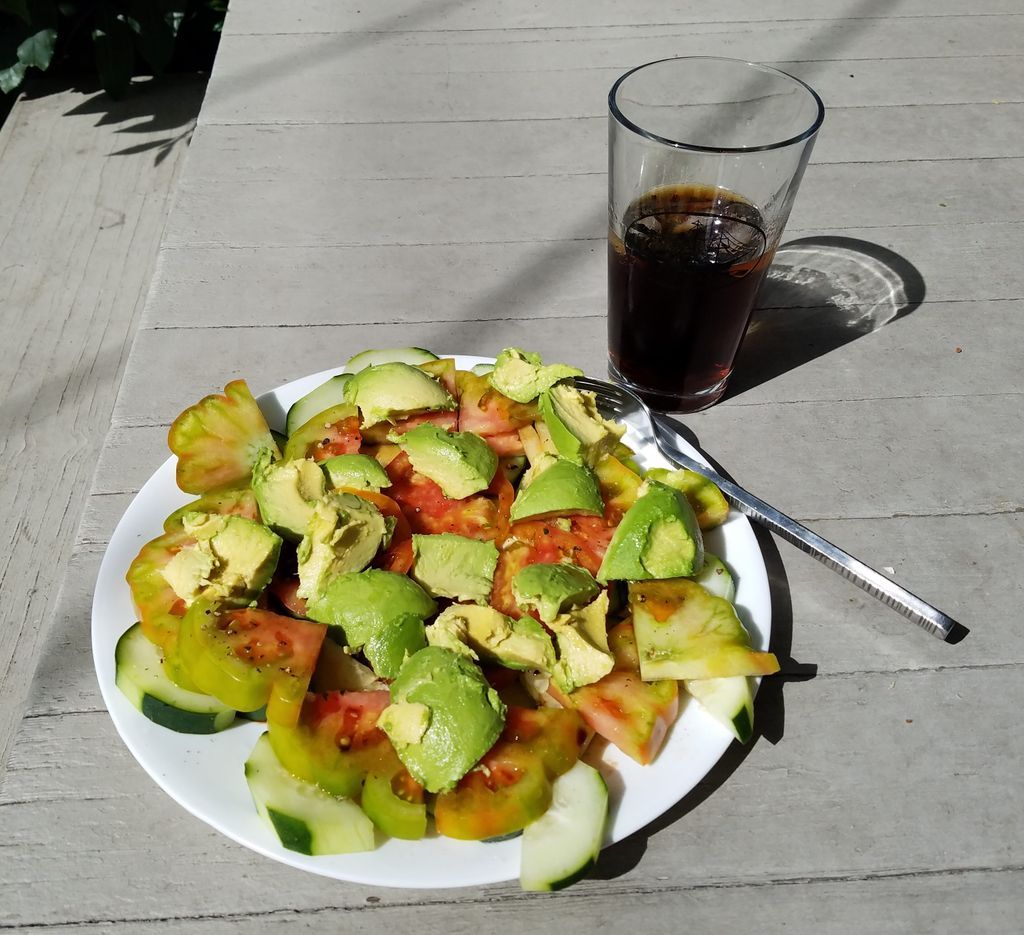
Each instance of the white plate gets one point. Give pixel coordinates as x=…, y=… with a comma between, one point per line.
x=203, y=773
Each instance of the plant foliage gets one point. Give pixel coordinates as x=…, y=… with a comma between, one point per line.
x=116, y=38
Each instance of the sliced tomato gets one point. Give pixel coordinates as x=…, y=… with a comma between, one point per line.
x=512, y=559
x=505, y=444
x=284, y=589
x=249, y=657
x=160, y=609
x=217, y=440
x=632, y=714
x=395, y=804
x=397, y=557
x=583, y=543
x=334, y=431
x=482, y=409
x=556, y=735
x=619, y=485
x=234, y=501
x=336, y=741
x=378, y=434
x=429, y=511
x=444, y=372
x=511, y=785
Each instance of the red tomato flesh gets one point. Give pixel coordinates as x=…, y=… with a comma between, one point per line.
x=632, y=714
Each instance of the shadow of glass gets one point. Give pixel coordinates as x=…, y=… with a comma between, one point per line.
x=822, y=293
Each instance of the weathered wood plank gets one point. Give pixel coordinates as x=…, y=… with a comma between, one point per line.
x=68, y=315
x=193, y=361
x=325, y=285
x=498, y=149
x=580, y=94
x=302, y=78
x=263, y=17
x=982, y=902
x=77, y=810
x=308, y=211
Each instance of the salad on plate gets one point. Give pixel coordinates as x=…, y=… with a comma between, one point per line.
x=443, y=591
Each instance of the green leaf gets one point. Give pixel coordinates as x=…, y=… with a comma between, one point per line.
x=17, y=8
x=37, y=49
x=11, y=77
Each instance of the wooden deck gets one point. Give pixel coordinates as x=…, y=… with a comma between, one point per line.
x=433, y=174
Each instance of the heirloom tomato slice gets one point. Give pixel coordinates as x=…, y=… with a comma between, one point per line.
x=284, y=588
x=234, y=501
x=632, y=714
x=394, y=802
x=160, y=609
x=444, y=372
x=336, y=741
x=248, y=657
x=378, y=434
x=482, y=409
x=217, y=440
x=619, y=485
x=511, y=786
x=535, y=541
x=334, y=431
x=428, y=510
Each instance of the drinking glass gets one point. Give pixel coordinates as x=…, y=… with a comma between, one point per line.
x=705, y=156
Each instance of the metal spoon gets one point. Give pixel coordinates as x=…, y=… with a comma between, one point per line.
x=624, y=406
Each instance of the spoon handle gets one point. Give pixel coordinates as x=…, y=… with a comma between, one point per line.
x=864, y=576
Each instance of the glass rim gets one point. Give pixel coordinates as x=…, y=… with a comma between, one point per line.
x=613, y=107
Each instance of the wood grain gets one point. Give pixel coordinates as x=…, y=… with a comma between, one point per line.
x=79, y=231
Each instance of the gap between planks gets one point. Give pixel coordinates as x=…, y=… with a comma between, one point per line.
x=564, y=897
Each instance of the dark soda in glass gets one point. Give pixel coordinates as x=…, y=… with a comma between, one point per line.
x=682, y=280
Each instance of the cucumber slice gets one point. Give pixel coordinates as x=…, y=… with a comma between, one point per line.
x=140, y=676
x=562, y=845
x=715, y=577
x=481, y=370
x=331, y=393
x=401, y=355
x=304, y=817
x=728, y=700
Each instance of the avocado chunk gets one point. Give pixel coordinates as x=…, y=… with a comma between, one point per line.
x=392, y=391
x=460, y=463
x=379, y=612
x=685, y=632
x=583, y=653
x=522, y=375
x=232, y=561
x=553, y=589
x=343, y=535
x=564, y=487
x=484, y=633
x=359, y=471
x=657, y=538
x=447, y=565
x=577, y=428
x=707, y=500
x=443, y=717
x=287, y=492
